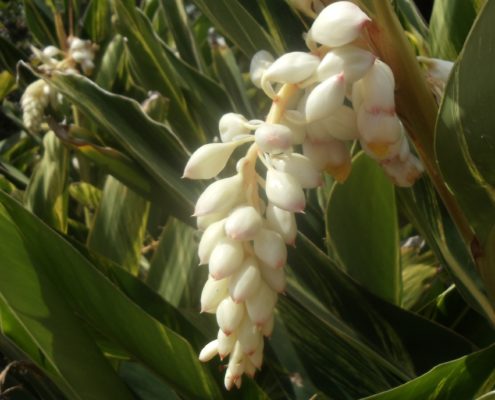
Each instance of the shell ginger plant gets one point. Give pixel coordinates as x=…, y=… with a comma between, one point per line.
x=337, y=157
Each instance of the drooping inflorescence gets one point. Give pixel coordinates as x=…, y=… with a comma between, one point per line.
x=38, y=95
x=323, y=100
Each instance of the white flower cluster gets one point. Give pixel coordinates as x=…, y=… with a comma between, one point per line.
x=38, y=94
x=245, y=235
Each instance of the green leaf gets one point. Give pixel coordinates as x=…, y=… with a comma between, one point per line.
x=104, y=306
x=409, y=342
x=450, y=23
x=119, y=225
x=465, y=136
x=9, y=56
x=235, y=23
x=411, y=18
x=7, y=84
x=97, y=20
x=44, y=313
x=465, y=378
x=85, y=194
x=125, y=121
x=46, y=195
x=40, y=23
x=111, y=63
x=173, y=263
x=363, y=229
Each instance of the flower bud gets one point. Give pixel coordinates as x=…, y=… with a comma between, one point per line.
x=249, y=368
x=274, y=278
x=209, y=351
x=209, y=160
x=270, y=248
x=226, y=258
x=235, y=367
x=209, y=240
x=243, y=223
x=219, y=196
x=381, y=132
x=284, y=191
x=438, y=70
x=273, y=138
x=257, y=357
x=213, y=293
x=301, y=168
x=260, y=307
x=225, y=343
x=338, y=24
x=205, y=221
x=283, y=222
x=377, y=88
x=341, y=125
x=296, y=122
x=292, y=67
x=51, y=51
x=333, y=157
x=244, y=283
x=232, y=126
x=259, y=64
x=249, y=336
x=229, y=315
x=403, y=173
x=267, y=327
x=325, y=98
x=353, y=61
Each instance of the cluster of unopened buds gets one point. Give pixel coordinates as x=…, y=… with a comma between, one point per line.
x=38, y=95
x=322, y=102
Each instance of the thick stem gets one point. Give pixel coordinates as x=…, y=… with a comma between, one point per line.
x=415, y=102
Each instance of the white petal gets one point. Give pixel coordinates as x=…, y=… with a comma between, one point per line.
x=243, y=223
x=213, y=293
x=259, y=64
x=273, y=138
x=225, y=343
x=209, y=351
x=338, y=24
x=209, y=240
x=292, y=67
x=221, y=195
x=283, y=222
x=267, y=327
x=270, y=248
x=284, y=191
x=229, y=315
x=245, y=282
x=353, y=61
x=257, y=357
x=275, y=278
x=378, y=87
x=300, y=167
x=249, y=336
x=226, y=258
x=232, y=126
x=204, y=221
x=209, y=160
x=326, y=98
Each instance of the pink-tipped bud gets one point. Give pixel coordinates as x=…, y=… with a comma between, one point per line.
x=338, y=24
x=403, y=173
x=284, y=191
x=353, y=61
x=225, y=343
x=209, y=351
x=209, y=160
x=260, y=307
x=300, y=167
x=378, y=88
x=213, y=293
x=249, y=368
x=220, y=196
x=204, y=221
x=232, y=126
x=283, y=222
x=275, y=278
x=229, y=315
x=257, y=357
x=270, y=248
x=209, y=240
x=341, y=125
x=259, y=64
x=325, y=98
x=226, y=258
x=243, y=223
x=273, y=138
x=244, y=283
x=267, y=327
x=333, y=152
x=438, y=70
x=249, y=336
